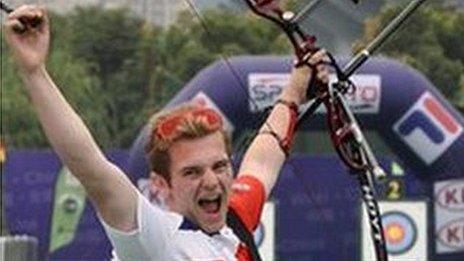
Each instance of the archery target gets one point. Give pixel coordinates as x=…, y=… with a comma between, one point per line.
x=400, y=232
x=404, y=228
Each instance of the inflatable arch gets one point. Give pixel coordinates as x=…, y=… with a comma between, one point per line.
x=412, y=117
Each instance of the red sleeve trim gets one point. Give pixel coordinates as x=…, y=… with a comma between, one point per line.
x=247, y=200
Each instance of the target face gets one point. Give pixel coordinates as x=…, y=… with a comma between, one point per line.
x=400, y=232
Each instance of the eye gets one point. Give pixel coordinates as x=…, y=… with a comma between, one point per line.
x=191, y=172
x=221, y=166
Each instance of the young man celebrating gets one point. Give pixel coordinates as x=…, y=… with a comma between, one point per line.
x=188, y=151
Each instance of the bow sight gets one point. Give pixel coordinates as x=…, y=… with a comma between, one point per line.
x=345, y=133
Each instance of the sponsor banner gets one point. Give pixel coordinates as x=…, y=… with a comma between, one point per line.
x=428, y=128
x=449, y=216
x=265, y=233
x=202, y=99
x=367, y=95
x=265, y=88
x=405, y=230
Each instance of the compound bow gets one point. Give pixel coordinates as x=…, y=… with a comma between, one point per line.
x=345, y=133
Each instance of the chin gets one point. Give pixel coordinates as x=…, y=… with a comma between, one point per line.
x=214, y=223
x=212, y=228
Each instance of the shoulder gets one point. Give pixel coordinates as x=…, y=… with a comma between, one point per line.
x=247, y=200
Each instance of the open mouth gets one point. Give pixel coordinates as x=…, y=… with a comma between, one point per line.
x=211, y=205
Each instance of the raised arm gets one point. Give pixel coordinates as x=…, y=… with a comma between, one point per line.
x=265, y=156
x=108, y=188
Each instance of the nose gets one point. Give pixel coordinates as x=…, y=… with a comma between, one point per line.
x=210, y=180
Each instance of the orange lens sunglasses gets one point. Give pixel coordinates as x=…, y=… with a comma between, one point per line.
x=167, y=128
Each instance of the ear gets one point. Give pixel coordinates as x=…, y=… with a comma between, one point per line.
x=157, y=181
x=159, y=187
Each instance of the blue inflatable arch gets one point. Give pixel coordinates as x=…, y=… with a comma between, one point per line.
x=398, y=102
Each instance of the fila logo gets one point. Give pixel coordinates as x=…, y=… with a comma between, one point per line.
x=428, y=128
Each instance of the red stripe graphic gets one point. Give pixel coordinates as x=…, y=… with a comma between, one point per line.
x=441, y=115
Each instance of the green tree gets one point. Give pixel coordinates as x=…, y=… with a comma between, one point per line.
x=191, y=44
x=20, y=127
x=111, y=40
x=431, y=42
x=105, y=38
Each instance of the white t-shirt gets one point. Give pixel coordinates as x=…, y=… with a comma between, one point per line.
x=164, y=235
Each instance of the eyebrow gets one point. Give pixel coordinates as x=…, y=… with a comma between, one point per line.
x=224, y=160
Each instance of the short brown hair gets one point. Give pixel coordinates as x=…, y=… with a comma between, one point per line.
x=186, y=128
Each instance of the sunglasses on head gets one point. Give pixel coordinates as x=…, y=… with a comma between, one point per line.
x=168, y=128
